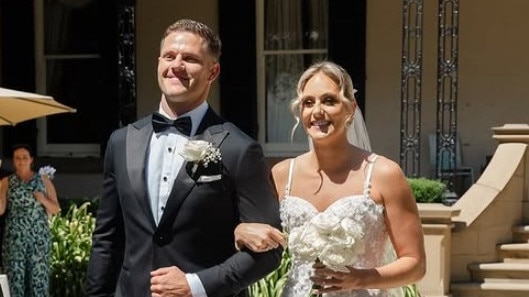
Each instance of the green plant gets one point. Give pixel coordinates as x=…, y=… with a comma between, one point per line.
x=411, y=291
x=71, y=244
x=272, y=285
x=66, y=203
x=427, y=190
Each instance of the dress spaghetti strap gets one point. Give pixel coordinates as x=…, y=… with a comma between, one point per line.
x=369, y=167
x=290, y=173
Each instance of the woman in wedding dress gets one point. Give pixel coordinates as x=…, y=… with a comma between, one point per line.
x=341, y=178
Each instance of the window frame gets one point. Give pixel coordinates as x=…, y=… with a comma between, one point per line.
x=45, y=148
x=273, y=149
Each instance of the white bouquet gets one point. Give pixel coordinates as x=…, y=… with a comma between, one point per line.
x=335, y=242
x=47, y=171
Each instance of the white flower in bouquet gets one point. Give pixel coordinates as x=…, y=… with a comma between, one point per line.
x=333, y=241
x=305, y=242
x=337, y=257
x=47, y=171
x=326, y=223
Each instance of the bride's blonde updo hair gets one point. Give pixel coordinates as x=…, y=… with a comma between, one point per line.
x=337, y=74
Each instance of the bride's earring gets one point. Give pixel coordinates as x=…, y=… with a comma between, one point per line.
x=349, y=120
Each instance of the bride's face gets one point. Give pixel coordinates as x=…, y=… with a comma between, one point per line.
x=322, y=108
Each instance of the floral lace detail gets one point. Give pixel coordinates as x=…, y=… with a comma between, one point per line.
x=295, y=211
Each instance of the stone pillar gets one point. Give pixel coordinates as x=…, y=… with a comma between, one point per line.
x=437, y=226
x=516, y=133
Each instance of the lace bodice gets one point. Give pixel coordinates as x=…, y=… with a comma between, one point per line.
x=295, y=211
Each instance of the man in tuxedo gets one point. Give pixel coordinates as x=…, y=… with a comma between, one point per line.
x=165, y=224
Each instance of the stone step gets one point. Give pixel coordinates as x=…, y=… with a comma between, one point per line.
x=511, y=288
x=516, y=260
x=513, y=251
x=497, y=272
x=520, y=233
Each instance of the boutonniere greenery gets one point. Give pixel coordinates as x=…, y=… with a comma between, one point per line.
x=200, y=152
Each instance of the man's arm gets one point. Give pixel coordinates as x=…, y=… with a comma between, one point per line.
x=107, y=241
x=257, y=203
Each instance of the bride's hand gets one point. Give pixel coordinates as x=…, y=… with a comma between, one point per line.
x=330, y=281
x=258, y=237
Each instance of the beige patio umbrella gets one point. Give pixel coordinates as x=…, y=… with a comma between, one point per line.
x=17, y=106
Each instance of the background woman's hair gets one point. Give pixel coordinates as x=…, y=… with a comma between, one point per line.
x=22, y=146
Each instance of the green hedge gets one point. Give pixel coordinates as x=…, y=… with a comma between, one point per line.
x=427, y=190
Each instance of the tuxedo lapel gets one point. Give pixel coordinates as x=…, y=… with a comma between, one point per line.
x=181, y=188
x=185, y=181
x=138, y=139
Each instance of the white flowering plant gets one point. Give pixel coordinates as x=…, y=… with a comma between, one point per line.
x=47, y=171
x=200, y=152
x=335, y=242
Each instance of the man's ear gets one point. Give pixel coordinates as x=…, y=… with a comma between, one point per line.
x=214, y=72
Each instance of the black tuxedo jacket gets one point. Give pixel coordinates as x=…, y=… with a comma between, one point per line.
x=195, y=232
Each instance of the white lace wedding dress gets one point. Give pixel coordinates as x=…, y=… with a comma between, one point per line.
x=295, y=211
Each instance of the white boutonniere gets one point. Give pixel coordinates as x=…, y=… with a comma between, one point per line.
x=47, y=171
x=200, y=152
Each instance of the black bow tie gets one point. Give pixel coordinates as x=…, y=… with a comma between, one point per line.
x=161, y=123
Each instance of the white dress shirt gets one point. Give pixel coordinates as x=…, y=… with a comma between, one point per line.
x=163, y=166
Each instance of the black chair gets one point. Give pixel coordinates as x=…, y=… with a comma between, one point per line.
x=444, y=170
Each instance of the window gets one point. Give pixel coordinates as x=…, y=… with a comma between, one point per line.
x=75, y=48
x=291, y=35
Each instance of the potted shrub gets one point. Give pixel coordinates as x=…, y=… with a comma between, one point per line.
x=427, y=190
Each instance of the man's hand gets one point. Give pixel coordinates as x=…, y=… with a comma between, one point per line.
x=169, y=282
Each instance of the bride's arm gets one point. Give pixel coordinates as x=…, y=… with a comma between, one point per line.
x=404, y=227
x=258, y=237
x=390, y=187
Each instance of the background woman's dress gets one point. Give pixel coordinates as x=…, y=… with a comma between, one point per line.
x=26, y=244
